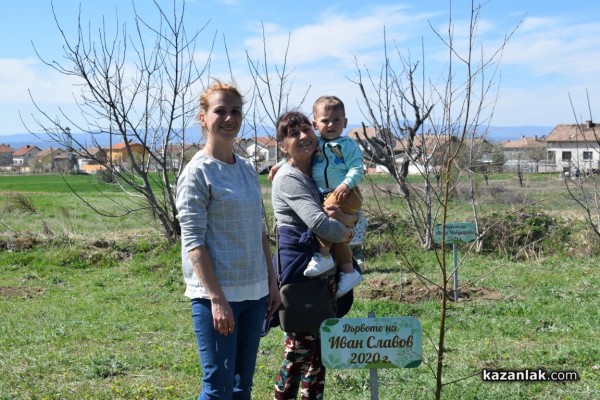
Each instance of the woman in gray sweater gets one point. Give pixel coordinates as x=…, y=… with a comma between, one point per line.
x=225, y=254
x=299, y=215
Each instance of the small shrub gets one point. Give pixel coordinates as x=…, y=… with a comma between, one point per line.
x=105, y=368
x=105, y=176
x=527, y=235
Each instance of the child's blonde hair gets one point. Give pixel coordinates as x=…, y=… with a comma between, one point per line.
x=329, y=103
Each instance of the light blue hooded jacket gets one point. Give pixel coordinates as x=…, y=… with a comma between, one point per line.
x=337, y=161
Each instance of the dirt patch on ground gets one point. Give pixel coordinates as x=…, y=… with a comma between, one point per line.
x=25, y=292
x=415, y=291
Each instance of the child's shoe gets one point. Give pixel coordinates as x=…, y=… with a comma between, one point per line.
x=318, y=265
x=347, y=281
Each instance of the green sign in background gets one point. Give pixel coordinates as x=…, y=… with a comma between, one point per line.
x=455, y=231
x=391, y=342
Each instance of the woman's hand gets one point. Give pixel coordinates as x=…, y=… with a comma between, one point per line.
x=272, y=172
x=336, y=213
x=332, y=210
x=222, y=314
x=274, y=299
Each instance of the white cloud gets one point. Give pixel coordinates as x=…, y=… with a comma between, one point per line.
x=551, y=46
x=335, y=35
x=229, y=3
x=19, y=76
x=323, y=54
x=548, y=107
x=559, y=54
x=534, y=24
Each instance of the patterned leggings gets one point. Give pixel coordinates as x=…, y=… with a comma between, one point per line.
x=301, y=364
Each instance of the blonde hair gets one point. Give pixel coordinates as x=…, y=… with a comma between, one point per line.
x=329, y=103
x=217, y=86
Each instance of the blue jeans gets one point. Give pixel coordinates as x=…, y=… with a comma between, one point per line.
x=228, y=361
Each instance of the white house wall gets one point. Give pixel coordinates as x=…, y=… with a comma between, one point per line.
x=268, y=153
x=577, y=160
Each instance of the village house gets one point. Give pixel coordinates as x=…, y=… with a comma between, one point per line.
x=6, y=155
x=363, y=135
x=91, y=160
x=427, y=150
x=66, y=162
x=48, y=160
x=526, y=154
x=482, y=154
x=574, y=148
x=120, y=153
x=23, y=156
x=261, y=151
x=175, y=153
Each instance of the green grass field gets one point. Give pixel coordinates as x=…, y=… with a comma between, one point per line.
x=96, y=310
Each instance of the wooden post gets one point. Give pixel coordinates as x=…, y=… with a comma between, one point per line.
x=374, y=378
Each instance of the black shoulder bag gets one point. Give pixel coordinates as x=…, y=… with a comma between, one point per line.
x=304, y=305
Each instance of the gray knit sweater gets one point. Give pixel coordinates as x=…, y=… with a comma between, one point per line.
x=220, y=207
x=296, y=202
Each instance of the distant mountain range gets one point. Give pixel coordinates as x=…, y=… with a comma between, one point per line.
x=43, y=142
x=495, y=134
x=498, y=134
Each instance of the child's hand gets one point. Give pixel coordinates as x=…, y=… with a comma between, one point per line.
x=272, y=172
x=341, y=192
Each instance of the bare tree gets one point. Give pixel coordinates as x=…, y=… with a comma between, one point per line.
x=400, y=110
x=394, y=144
x=457, y=113
x=273, y=86
x=270, y=97
x=141, y=94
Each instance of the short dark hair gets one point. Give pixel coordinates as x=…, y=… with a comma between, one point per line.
x=287, y=121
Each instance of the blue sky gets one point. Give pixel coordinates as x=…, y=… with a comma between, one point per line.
x=555, y=52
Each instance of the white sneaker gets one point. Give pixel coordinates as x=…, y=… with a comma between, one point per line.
x=347, y=281
x=360, y=230
x=318, y=265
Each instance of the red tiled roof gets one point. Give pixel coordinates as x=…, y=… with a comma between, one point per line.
x=263, y=141
x=120, y=146
x=90, y=151
x=176, y=148
x=48, y=151
x=267, y=141
x=523, y=143
x=24, y=150
x=428, y=143
x=94, y=150
x=4, y=148
x=588, y=131
x=359, y=132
